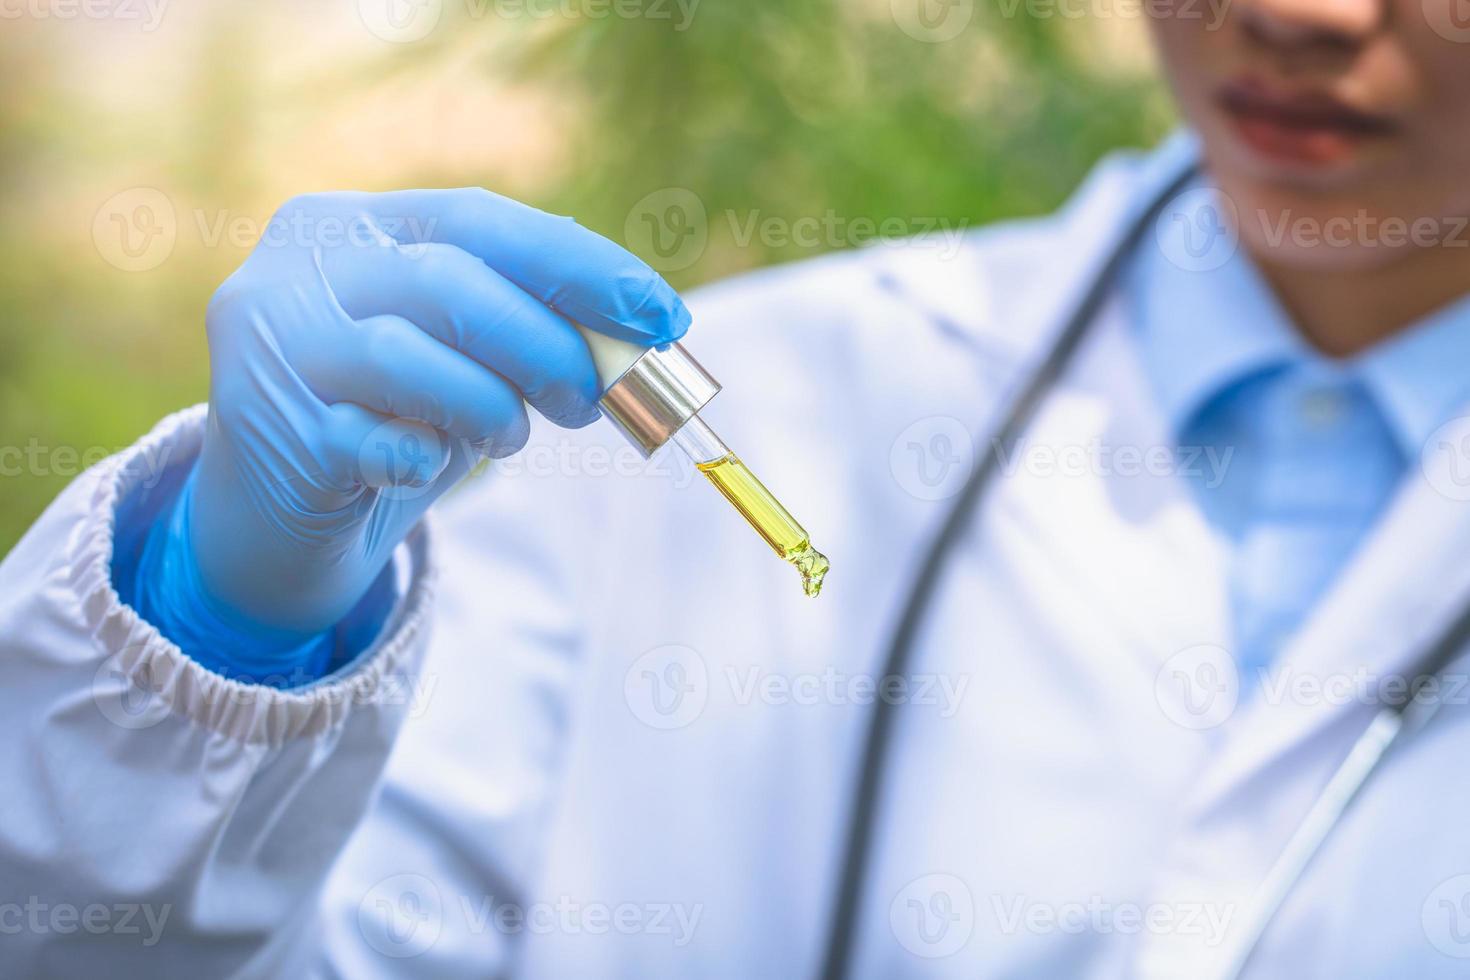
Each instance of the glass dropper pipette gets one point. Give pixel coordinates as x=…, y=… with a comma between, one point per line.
x=755, y=503
x=654, y=396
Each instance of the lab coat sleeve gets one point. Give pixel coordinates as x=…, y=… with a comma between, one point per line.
x=157, y=819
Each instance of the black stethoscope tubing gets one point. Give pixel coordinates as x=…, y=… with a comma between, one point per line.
x=1347, y=782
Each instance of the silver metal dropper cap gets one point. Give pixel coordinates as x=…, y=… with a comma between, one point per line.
x=661, y=391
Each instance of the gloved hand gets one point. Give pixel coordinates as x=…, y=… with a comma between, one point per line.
x=362, y=357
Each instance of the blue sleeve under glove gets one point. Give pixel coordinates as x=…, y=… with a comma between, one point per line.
x=168, y=592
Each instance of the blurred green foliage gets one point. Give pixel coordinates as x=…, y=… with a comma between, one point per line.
x=797, y=108
x=786, y=108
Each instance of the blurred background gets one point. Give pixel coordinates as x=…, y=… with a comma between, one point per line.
x=144, y=144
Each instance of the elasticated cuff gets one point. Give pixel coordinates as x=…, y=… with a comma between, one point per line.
x=251, y=712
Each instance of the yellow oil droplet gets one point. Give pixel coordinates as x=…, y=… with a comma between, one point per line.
x=764, y=512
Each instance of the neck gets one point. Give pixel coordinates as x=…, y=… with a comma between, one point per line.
x=1341, y=313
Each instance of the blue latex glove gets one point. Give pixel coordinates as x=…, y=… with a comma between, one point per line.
x=371, y=347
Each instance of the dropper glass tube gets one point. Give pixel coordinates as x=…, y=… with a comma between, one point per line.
x=654, y=395
x=755, y=503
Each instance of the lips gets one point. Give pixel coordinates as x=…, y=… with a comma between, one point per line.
x=1310, y=128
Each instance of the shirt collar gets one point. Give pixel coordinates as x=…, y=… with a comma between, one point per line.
x=1206, y=322
x=1205, y=317
x=1418, y=375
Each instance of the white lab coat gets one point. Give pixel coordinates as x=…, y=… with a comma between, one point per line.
x=606, y=736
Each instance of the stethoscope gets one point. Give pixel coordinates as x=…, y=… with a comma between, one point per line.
x=1390, y=726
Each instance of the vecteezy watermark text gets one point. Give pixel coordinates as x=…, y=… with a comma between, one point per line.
x=832, y=686
x=38, y=917
x=404, y=915
x=671, y=229
x=670, y=686
x=1362, y=229
x=1098, y=916
x=40, y=459
x=408, y=21
x=937, y=21
x=148, y=14
x=1208, y=464
x=138, y=229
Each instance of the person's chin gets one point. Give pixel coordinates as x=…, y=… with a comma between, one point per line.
x=1282, y=227
x=1320, y=217
x=1344, y=260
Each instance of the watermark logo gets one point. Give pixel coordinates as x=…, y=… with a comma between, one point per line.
x=932, y=458
x=1445, y=459
x=402, y=458
x=1196, y=230
x=1198, y=687
x=933, y=916
x=135, y=230
x=932, y=21
x=401, y=916
x=668, y=687
x=1445, y=917
x=128, y=699
x=1450, y=19
x=400, y=21
x=669, y=228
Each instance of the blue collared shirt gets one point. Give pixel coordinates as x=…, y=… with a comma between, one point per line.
x=1318, y=446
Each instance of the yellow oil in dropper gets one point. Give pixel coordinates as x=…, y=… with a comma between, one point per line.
x=754, y=502
x=765, y=513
